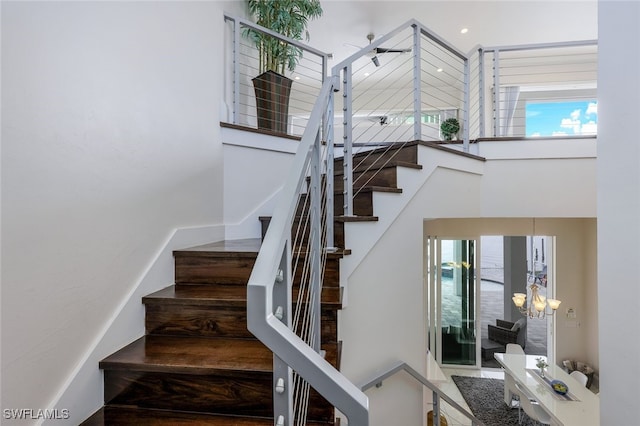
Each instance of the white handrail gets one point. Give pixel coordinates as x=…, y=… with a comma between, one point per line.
x=403, y=366
x=262, y=322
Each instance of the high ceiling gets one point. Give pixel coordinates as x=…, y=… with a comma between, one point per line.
x=490, y=23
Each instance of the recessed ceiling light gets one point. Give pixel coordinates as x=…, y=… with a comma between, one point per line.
x=439, y=70
x=464, y=30
x=297, y=77
x=366, y=74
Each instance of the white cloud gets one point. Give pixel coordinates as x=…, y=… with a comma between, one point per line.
x=571, y=123
x=592, y=108
x=590, y=128
x=576, y=114
x=535, y=135
x=559, y=134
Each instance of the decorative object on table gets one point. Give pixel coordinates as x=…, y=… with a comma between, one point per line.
x=449, y=128
x=272, y=88
x=537, y=303
x=541, y=363
x=560, y=387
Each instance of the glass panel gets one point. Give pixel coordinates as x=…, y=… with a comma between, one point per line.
x=561, y=118
x=458, y=302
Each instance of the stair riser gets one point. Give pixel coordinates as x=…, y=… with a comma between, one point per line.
x=338, y=233
x=216, y=321
x=362, y=204
x=386, y=177
x=217, y=270
x=213, y=270
x=408, y=154
x=245, y=395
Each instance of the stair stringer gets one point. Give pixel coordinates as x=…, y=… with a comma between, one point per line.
x=361, y=237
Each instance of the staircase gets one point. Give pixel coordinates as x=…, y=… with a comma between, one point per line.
x=198, y=363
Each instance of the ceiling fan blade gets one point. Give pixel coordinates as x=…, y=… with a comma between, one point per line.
x=386, y=50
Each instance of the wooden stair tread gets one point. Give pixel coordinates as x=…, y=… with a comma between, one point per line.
x=356, y=218
x=191, y=355
x=219, y=295
x=129, y=416
x=196, y=355
x=377, y=189
x=390, y=164
x=199, y=294
x=227, y=248
x=125, y=416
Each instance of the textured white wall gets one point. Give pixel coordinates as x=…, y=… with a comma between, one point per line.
x=110, y=142
x=618, y=209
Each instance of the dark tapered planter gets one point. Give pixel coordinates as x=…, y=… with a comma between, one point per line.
x=272, y=101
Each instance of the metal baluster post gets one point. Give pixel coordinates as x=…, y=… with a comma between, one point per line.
x=465, y=113
x=236, y=71
x=481, y=106
x=328, y=133
x=282, y=374
x=496, y=93
x=315, y=242
x=417, y=80
x=436, y=409
x=347, y=159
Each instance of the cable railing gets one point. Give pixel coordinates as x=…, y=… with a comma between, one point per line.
x=515, y=78
x=246, y=97
x=292, y=254
x=437, y=393
x=398, y=89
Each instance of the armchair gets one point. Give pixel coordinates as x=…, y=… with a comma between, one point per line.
x=509, y=332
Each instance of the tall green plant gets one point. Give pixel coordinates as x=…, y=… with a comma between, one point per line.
x=287, y=17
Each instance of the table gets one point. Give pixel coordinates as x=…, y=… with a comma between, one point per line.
x=585, y=411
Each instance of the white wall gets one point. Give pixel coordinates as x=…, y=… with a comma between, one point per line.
x=255, y=169
x=618, y=209
x=385, y=287
x=110, y=142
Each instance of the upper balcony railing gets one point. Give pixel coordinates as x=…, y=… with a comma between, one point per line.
x=401, y=87
x=532, y=80
x=243, y=69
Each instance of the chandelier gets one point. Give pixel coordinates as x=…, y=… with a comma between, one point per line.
x=537, y=303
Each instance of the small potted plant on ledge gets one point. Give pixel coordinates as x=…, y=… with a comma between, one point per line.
x=272, y=88
x=450, y=128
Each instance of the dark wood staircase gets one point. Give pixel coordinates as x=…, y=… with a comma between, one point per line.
x=198, y=363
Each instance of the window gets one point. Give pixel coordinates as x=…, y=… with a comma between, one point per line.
x=566, y=118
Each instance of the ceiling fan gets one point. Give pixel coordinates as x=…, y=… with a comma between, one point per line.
x=378, y=50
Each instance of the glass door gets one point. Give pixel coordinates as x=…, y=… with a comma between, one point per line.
x=452, y=301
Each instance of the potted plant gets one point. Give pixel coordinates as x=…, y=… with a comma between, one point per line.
x=272, y=88
x=449, y=128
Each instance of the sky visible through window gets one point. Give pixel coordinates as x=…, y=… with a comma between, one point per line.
x=562, y=118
